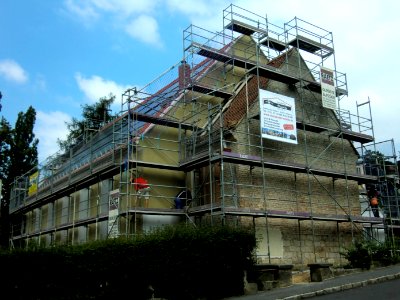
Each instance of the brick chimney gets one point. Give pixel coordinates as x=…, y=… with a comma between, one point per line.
x=184, y=75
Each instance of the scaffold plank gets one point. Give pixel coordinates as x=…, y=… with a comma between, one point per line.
x=294, y=167
x=356, y=136
x=155, y=211
x=381, y=226
x=162, y=121
x=362, y=219
x=309, y=45
x=195, y=161
x=263, y=70
x=244, y=28
x=208, y=91
x=153, y=165
x=273, y=44
x=347, y=134
x=206, y=208
x=311, y=127
x=212, y=53
x=298, y=215
x=274, y=74
x=316, y=87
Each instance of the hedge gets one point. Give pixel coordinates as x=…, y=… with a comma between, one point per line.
x=172, y=262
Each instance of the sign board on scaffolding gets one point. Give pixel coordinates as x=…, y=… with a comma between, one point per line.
x=113, y=211
x=33, y=183
x=328, y=89
x=277, y=117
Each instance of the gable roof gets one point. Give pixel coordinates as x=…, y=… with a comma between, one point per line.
x=237, y=107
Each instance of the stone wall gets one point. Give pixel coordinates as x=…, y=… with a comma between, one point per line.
x=293, y=241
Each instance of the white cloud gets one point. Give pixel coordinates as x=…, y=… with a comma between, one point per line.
x=83, y=10
x=195, y=9
x=92, y=10
x=203, y=13
x=96, y=87
x=49, y=127
x=120, y=12
x=12, y=71
x=125, y=7
x=144, y=28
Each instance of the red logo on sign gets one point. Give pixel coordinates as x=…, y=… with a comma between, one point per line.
x=288, y=126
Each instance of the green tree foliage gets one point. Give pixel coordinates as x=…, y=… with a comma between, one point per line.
x=24, y=154
x=377, y=158
x=18, y=155
x=362, y=254
x=94, y=116
x=5, y=142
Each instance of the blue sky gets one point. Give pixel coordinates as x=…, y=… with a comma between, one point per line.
x=59, y=55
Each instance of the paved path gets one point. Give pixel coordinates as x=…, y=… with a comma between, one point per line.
x=337, y=284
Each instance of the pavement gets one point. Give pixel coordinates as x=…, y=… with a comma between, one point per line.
x=332, y=285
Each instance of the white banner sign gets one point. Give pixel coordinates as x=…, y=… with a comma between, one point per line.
x=277, y=117
x=113, y=211
x=328, y=88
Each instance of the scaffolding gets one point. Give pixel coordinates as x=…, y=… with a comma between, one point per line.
x=380, y=159
x=255, y=54
x=197, y=128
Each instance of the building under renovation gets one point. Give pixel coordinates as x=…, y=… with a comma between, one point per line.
x=246, y=130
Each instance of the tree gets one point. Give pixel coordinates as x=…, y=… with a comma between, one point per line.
x=24, y=154
x=19, y=155
x=94, y=117
x=5, y=142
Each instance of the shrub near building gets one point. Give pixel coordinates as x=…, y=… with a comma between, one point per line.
x=171, y=262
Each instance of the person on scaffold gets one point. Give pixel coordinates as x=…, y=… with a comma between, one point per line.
x=373, y=197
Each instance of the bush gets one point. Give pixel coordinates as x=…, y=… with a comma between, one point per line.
x=385, y=253
x=359, y=255
x=362, y=254
x=178, y=262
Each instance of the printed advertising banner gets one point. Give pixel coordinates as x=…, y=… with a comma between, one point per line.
x=113, y=226
x=277, y=117
x=33, y=183
x=328, y=88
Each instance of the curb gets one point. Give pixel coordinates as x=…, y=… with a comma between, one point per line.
x=343, y=287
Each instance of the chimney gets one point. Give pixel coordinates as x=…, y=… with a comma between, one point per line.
x=184, y=75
